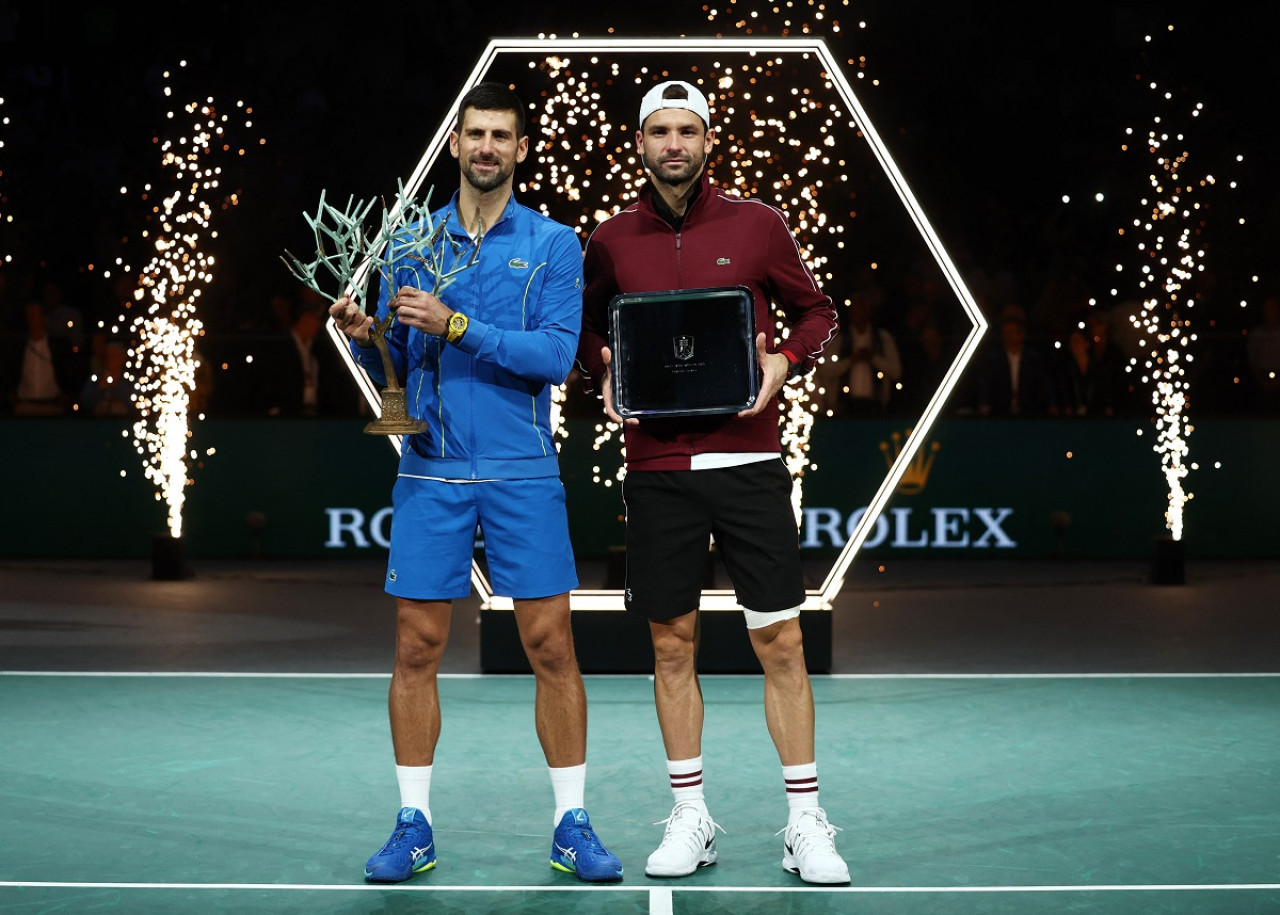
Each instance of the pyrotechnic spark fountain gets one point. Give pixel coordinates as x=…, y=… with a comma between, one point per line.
x=1167, y=235
x=163, y=360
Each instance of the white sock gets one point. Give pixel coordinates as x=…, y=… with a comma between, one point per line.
x=686, y=781
x=802, y=789
x=415, y=788
x=569, y=785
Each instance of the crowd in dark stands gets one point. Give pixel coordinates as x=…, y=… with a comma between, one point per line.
x=65, y=330
x=65, y=349
x=65, y=352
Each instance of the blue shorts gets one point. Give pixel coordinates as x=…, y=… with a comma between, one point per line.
x=526, y=538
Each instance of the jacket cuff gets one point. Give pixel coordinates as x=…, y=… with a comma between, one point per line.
x=799, y=366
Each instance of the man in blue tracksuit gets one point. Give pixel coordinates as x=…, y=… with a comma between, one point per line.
x=477, y=365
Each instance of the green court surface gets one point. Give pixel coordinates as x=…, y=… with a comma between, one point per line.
x=1000, y=794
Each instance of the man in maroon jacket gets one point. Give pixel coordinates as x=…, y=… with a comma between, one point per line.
x=689, y=478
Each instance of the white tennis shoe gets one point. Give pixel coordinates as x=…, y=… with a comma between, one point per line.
x=809, y=849
x=688, y=843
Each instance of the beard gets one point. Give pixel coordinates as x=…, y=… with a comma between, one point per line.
x=487, y=181
x=677, y=172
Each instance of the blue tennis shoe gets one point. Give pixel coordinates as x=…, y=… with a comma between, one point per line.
x=410, y=850
x=575, y=849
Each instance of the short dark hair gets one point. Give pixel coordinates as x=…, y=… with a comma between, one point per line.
x=492, y=97
x=675, y=91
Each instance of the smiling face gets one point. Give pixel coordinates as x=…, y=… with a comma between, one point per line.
x=487, y=148
x=674, y=144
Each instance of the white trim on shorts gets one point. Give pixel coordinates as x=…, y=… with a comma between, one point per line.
x=418, y=476
x=758, y=620
x=717, y=459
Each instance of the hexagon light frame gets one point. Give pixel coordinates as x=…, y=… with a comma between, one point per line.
x=822, y=597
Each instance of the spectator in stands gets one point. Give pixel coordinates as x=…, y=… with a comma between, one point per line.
x=41, y=369
x=873, y=368
x=1093, y=377
x=109, y=392
x=299, y=372
x=1014, y=378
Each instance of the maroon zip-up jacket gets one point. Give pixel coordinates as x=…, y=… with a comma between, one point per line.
x=725, y=240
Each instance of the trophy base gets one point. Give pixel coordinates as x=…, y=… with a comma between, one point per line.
x=395, y=419
x=405, y=427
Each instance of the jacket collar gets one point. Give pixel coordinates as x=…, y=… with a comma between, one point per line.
x=454, y=221
x=650, y=202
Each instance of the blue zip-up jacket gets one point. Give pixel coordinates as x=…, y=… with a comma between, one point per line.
x=487, y=399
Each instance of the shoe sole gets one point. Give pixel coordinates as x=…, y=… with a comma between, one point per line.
x=791, y=867
x=610, y=878
x=417, y=870
x=709, y=860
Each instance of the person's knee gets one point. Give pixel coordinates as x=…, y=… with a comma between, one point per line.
x=549, y=648
x=674, y=645
x=780, y=645
x=418, y=652
x=420, y=643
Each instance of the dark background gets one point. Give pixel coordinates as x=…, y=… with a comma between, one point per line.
x=993, y=112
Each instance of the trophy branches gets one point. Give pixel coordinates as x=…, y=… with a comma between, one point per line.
x=346, y=252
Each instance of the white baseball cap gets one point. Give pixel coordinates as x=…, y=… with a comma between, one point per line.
x=696, y=102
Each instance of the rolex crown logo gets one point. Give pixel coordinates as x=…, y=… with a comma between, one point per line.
x=916, y=476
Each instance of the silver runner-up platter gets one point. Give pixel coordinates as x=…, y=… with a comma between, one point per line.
x=683, y=352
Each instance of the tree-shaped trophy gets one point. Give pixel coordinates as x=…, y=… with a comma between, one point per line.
x=348, y=254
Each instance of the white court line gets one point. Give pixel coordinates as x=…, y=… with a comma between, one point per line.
x=251, y=675
x=657, y=893
x=1061, y=676
x=661, y=902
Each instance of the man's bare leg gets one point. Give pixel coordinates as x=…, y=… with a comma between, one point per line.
x=560, y=705
x=676, y=691
x=788, y=694
x=413, y=706
x=689, y=840
x=560, y=713
x=413, y=701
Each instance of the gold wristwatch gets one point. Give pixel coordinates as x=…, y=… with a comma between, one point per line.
x=457, y=327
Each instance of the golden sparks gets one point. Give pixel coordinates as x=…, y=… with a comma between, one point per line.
x=163, y=362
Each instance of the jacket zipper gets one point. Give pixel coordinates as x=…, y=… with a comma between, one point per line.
x=679, y=264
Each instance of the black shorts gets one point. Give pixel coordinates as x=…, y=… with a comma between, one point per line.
x=671, y=516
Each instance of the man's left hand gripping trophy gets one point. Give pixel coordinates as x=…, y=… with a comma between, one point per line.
x=348, y=255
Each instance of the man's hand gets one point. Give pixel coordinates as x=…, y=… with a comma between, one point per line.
x=774, y=368
x=606, y=390
x=351, y=320
x=416, y=308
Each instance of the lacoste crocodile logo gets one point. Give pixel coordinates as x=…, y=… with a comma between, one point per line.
x=518, y=264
